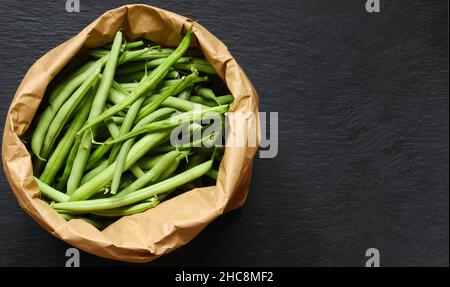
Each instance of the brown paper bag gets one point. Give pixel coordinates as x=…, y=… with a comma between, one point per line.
x=145, y=236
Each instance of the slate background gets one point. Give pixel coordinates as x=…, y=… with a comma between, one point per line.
x=363, y=141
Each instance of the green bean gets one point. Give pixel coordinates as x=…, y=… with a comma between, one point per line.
x=102, y=150
x=119, y=165
x=97, y=224
x=63, y=148
x=194, y=160
x=159, y=114
x=180, y=104
x=69, y=78
x=129, y=86
x=128, y=56
x=126, y=126
x=223, y=100
x=115, y=96
x=130, y=77
x=50, y=192
x=150, y=175
x=147, y=85
x=207, y=141
x=97, y=155
x=98, y=53
x=163, y=149
x=160, y=98
x=139, y=195
x=212, y=173
x=171, y=102
x=47, y=116
x=129, y=45
x=136, y=171
x=91, y=174
x=128, y=210
x=107, y=79
x=67, y=217
x=113, y=129
x=169, y=171
x=97, y=107
x=136, y=76
x=122, y=150
x=134, y=45
x=140, y=66
x=186, y=94
x=174, y=121
x=65, y=113
x=162, y=86
x=139, y=149
x=38, y=164
x=125, y=183
x=207, y=94
x=199, y=64
x=80, y=161
x=173, y=75
x=155, y=54
x=120, y=88
x=62, y=181
x=150, y=162
x=118, y=120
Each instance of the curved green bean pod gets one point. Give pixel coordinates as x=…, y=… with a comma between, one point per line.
x=153, y=173
x=139, y=195
x=129, y=45
x=223, y=100
x=207, y=94
x=51, y=193
x=63, y=148
x=92, y=173
x=128, y=210
x=186, y=94
x=122, y=150
x=118, y=120
x=136, y=171
x=213, y=173
x=140, y=66
x=97, y=156
x=62, y=180
x=199, y=64
x=69, y=78
x=98, y=106
x=169, y=171
x=180, y=104
x=154, y=54
x=65, y=113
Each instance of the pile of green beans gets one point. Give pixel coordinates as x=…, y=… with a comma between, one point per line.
x=101, y=139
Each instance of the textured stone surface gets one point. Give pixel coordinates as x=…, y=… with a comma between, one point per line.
x=363, y=157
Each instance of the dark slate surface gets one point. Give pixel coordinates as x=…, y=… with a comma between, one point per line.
x=363, y=141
